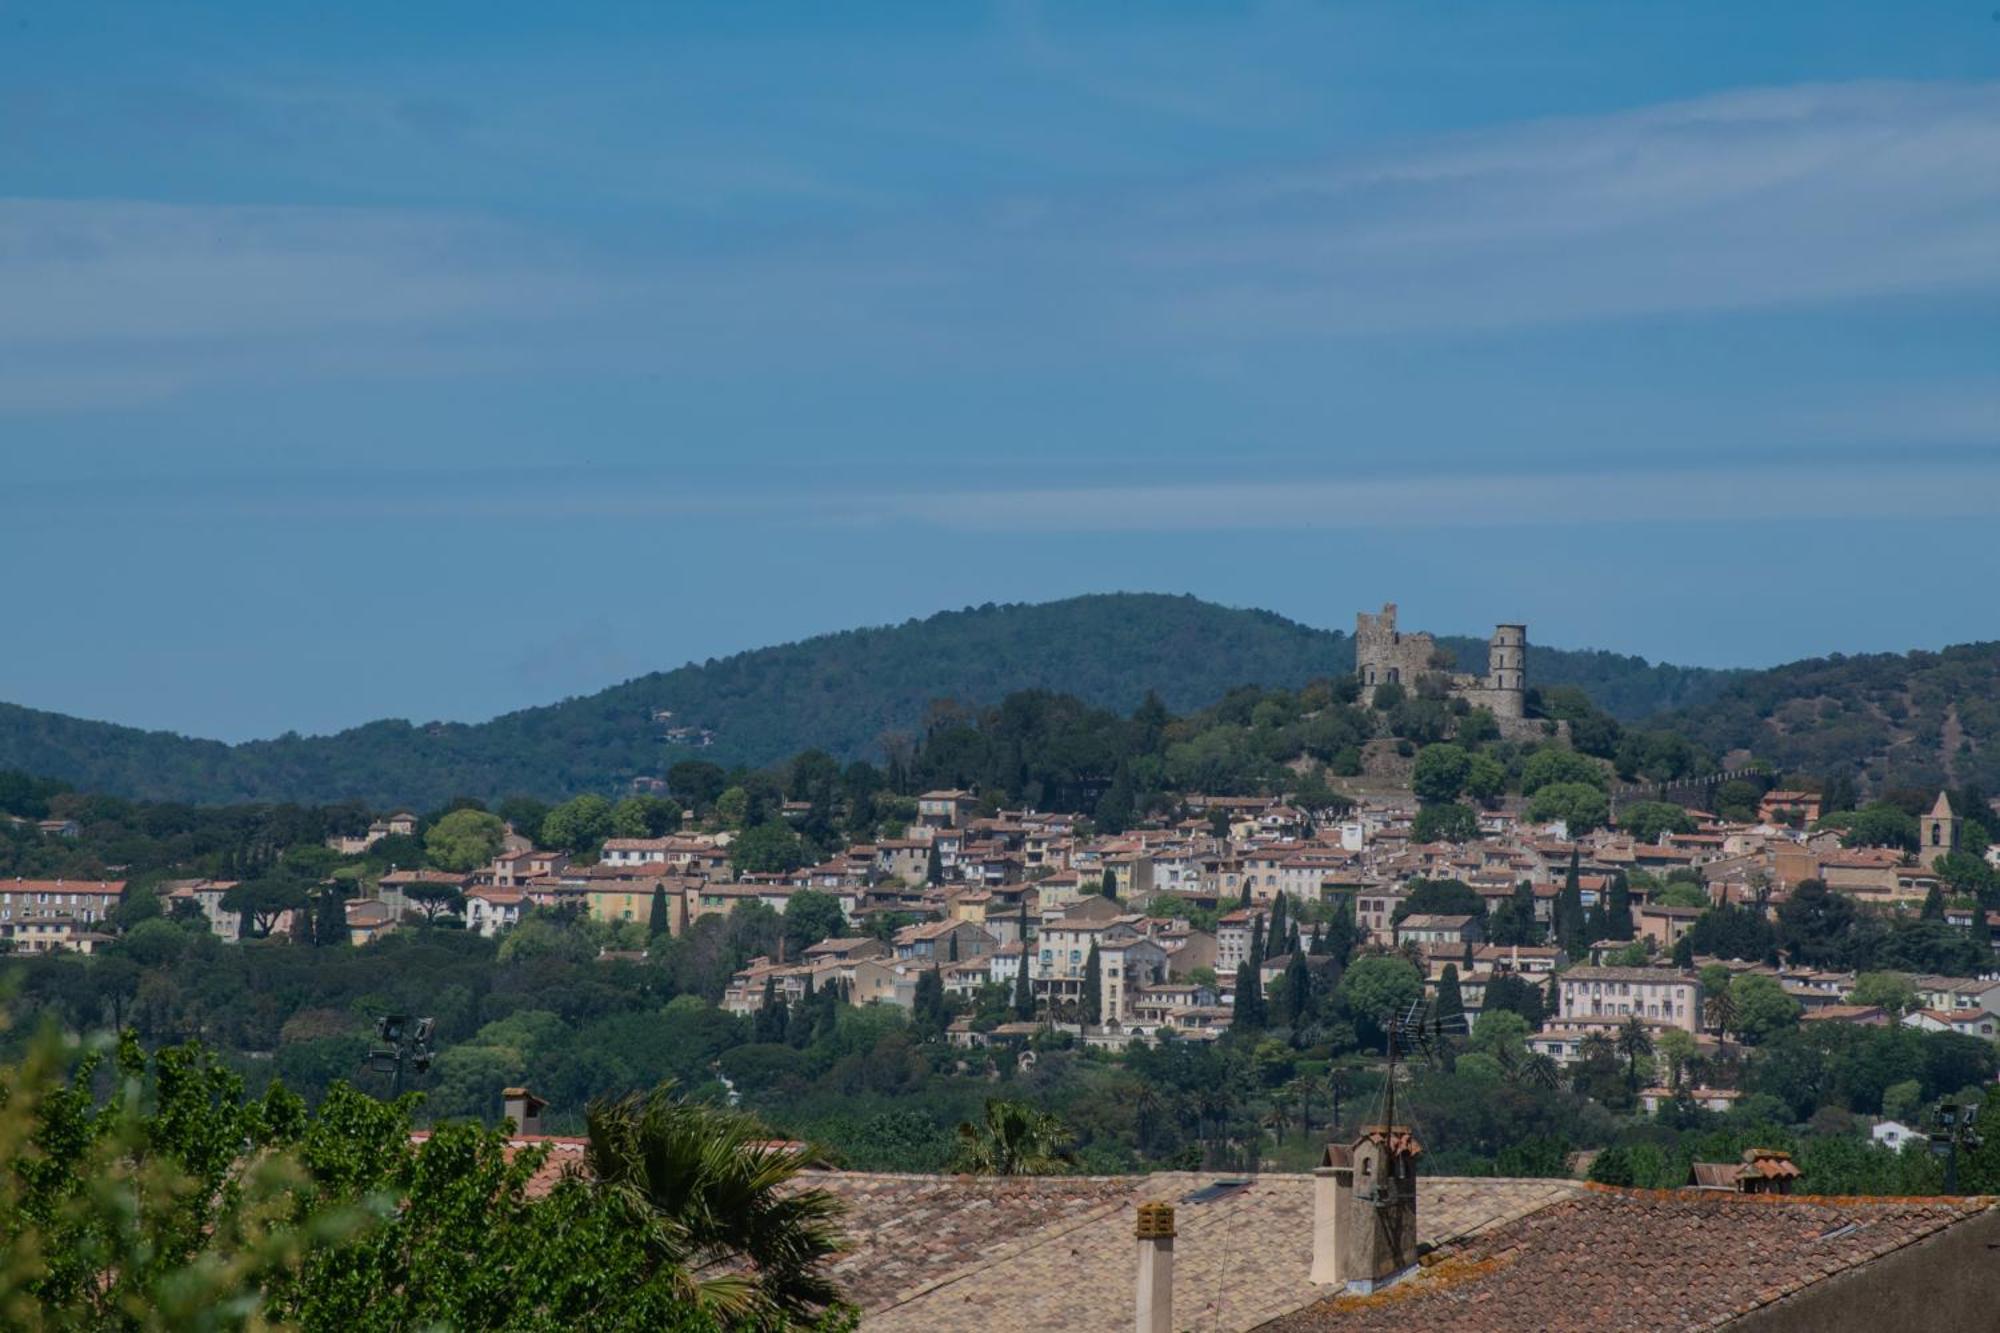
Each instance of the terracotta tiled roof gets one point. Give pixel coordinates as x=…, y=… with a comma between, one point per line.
x=938, y=1253
x=1619, y=1259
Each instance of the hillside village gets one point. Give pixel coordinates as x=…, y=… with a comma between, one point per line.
x=1547, y=922
x=1021, y=922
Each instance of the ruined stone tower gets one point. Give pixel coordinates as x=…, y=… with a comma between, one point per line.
x=1384, y=655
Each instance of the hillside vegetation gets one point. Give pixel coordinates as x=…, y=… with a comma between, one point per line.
x=839, y=692
x=1886, y=720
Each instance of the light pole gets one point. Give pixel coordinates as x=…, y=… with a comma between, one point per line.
x=1954, y=1127
x=402, y=1043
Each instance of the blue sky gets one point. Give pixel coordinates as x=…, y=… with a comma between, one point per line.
x=434, y=360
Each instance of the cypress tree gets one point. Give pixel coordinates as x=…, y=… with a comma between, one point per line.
x=1343, y=933
x=934, y=865
x=656, y=920
x=1108, y=886
x=770, y=1022
x=1934, y=904
x=1450, y=999
x=1298, y=992
x=1024, y=993
x=1243, y=900
x=951, y=947
x=927, y=1005
x=1277, y=935
x=1597, y=924
x=1318, y=945
x=1257, y=941
x=1249, y=1013
x=1570, y=923
x=1093, y=989
x=330, y=920
x=1622, y=927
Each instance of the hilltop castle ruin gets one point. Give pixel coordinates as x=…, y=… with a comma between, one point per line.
x=1384, y=655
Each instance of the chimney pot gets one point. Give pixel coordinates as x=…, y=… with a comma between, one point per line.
x=1154, y=1230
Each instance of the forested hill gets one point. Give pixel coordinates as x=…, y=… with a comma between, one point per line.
x=1918, y=719
x=840, y=692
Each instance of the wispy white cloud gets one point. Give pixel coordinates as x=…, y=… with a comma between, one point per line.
x=1780, y=198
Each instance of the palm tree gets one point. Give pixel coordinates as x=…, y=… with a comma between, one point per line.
x=719, y=1203
x=1282, y=1101
x=1633, y=1042
x=1146, y=1107
x=1016, y=1140
x=1722, y=1016
x=1541, y=1070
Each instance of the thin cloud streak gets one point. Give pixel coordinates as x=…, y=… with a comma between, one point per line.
x=1761, y=493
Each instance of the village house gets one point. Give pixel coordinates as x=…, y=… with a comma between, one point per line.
x=1425, y=928
x=1965, y=1022
x=1233, y=935
x=490, y=910
x=945, y=809
x=1607, y=996
x=85, y=901
x=51, y=934
x=205, y=895
x=1957, y=993
x=941, y=941
x=368, y=919
x=1664, y=925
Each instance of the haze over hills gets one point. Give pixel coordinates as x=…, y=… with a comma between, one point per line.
x=839, y=692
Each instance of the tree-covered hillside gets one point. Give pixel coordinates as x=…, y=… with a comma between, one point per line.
x=1885, y=720
x=838, y=692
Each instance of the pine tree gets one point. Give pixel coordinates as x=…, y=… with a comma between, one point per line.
x=656, y=920
x=1108, y=886
x=1093, y=989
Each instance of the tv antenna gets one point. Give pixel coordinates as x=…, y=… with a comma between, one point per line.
x=1419, y=1032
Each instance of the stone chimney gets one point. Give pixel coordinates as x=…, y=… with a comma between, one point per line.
x=524, y=1108
x=1365, y=1210
x=1155, y=1233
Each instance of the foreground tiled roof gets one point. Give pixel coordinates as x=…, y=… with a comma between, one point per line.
x=1629, y=1259
x=940, y=1253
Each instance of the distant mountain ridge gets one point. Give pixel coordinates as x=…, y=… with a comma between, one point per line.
x=1918, y=720
x=839, y=692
